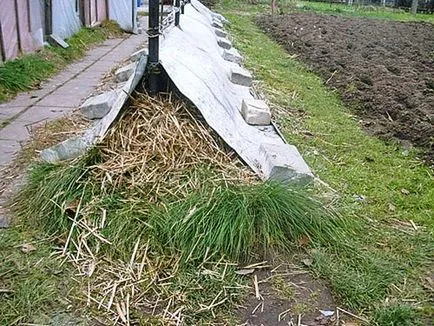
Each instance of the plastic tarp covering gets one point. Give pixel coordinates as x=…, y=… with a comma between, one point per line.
x=125, y=13
x=193, y=60
x=36, y=23
x=66, y=20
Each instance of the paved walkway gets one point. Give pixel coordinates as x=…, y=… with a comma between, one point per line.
x=60, y=95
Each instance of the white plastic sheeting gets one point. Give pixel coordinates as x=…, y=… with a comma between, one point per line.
x=193, y=60
x=36, y=23
x=65, y=18
x=125, y=13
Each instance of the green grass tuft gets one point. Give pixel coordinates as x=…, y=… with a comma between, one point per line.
x=231, y=221
x=21, y=74
x=239, y=221
x=397, y=315
x=52, y=189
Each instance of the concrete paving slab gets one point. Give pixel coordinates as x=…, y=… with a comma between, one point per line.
x=10, y=111
x=65, y=97
x=37, y=114
x=25, y=99
x=99, y=67
x=17, y=131
x=112, y=42
x=90, y=79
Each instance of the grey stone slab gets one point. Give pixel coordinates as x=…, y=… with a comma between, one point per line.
x=55, y=39
x=60, y=79
x=224, y=43
x=4, y=221
x=98, y=106
x=232, y=55
x=255, y=112
x=219, y=17
x=284, y=163
x=78, y=66
x=136, y=55
x=217, y=23
x=16, y=130
x=68, y=149
x=240, y=76
x=220, y=33
x=124, y=73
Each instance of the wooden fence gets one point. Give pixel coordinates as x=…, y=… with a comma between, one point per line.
x=24, y=23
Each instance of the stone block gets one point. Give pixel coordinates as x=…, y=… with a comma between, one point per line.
x=232, y=55
x=124, y=73
x=54, y=39
x=255, y=112
x=136, y=55
x=224, y=43
x=220, y=33
x=219, y=17
x=98, y=106
x=240, y=76
x=66, y=150
x=217, y=23
x=283, y=163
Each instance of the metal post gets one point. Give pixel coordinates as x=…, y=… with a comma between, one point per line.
x=48, y=18
x=182, y=6
x=17, y=21
x=177, y=13
x=153, y=43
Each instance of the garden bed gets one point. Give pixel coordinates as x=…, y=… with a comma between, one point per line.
x=384, y=69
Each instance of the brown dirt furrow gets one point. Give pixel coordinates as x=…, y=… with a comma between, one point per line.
x=383, y=69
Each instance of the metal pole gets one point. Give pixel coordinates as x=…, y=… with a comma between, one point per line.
x=177, y=13
x=182, y=6
x=153, y=43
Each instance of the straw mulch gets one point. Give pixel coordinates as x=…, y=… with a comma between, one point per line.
x=161, y=146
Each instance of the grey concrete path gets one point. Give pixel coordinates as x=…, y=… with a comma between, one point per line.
x=60, y=95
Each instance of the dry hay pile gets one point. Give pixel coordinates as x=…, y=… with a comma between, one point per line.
x=162, y=146
x=159, y=147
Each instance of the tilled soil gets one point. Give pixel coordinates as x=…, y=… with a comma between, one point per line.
x=383, y=69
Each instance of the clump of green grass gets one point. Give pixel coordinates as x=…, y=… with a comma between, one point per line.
x=211, y=228
x=396, y=315
x=29, y=281
x=231, y=221
x=53, y=192
x=23, y=73
x=239, y=221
